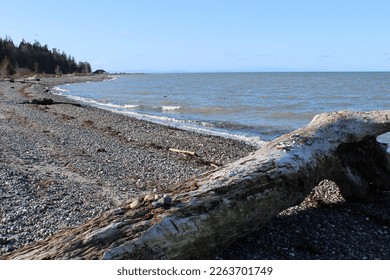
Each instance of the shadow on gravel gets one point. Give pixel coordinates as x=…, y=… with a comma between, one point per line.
x=350, y=230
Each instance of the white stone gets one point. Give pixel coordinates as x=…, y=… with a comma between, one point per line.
x=135, y=204
x=149, y=198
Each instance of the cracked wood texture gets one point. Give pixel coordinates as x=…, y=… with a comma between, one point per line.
x=211, y=211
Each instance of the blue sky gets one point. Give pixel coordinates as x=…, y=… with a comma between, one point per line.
x=208, y=36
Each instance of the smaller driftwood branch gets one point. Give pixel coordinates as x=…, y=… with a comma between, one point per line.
x=182, y=152
x=195, y=155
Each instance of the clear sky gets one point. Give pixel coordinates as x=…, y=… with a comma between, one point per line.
x=208, y=35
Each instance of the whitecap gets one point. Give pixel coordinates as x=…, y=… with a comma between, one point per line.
x=129, y=106
x=170, y=108
x=59, y=89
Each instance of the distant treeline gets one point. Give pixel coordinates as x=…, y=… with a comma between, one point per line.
x=35, y=58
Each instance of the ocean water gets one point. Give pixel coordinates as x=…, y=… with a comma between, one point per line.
x=254, y=107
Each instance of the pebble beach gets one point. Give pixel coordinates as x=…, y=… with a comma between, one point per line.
x=64, y=163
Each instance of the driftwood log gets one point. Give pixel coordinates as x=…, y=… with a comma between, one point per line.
x=211, y=211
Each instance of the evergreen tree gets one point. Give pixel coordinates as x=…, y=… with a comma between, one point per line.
x=6, y=68
x=37, y=58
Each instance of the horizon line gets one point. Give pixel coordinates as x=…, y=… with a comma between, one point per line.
x=248, y=71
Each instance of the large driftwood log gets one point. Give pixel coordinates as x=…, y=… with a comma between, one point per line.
x=211, y=211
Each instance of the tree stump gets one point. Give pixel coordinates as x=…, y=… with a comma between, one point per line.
x=211, y=211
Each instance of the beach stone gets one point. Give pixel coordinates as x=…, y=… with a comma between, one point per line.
x=157, y=197
x=135, y=204
x=165, y=200
x=149, y=198
x=157, y=204
x=3, y=241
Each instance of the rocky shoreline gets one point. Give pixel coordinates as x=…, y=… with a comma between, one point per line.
x=63, y=163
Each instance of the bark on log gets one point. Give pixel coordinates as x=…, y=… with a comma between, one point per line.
x=211, y=211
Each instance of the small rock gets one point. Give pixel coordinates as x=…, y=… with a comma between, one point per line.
x=157, y=197
x=157, y=204
x=149, y=197
x=135, y=204
x=3, y=241
x=165, y=200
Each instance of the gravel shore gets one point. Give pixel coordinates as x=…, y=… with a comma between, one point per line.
x=62, y=164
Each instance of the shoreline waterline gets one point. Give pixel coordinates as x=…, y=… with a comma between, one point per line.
x=253, y=107
x=189, y=125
